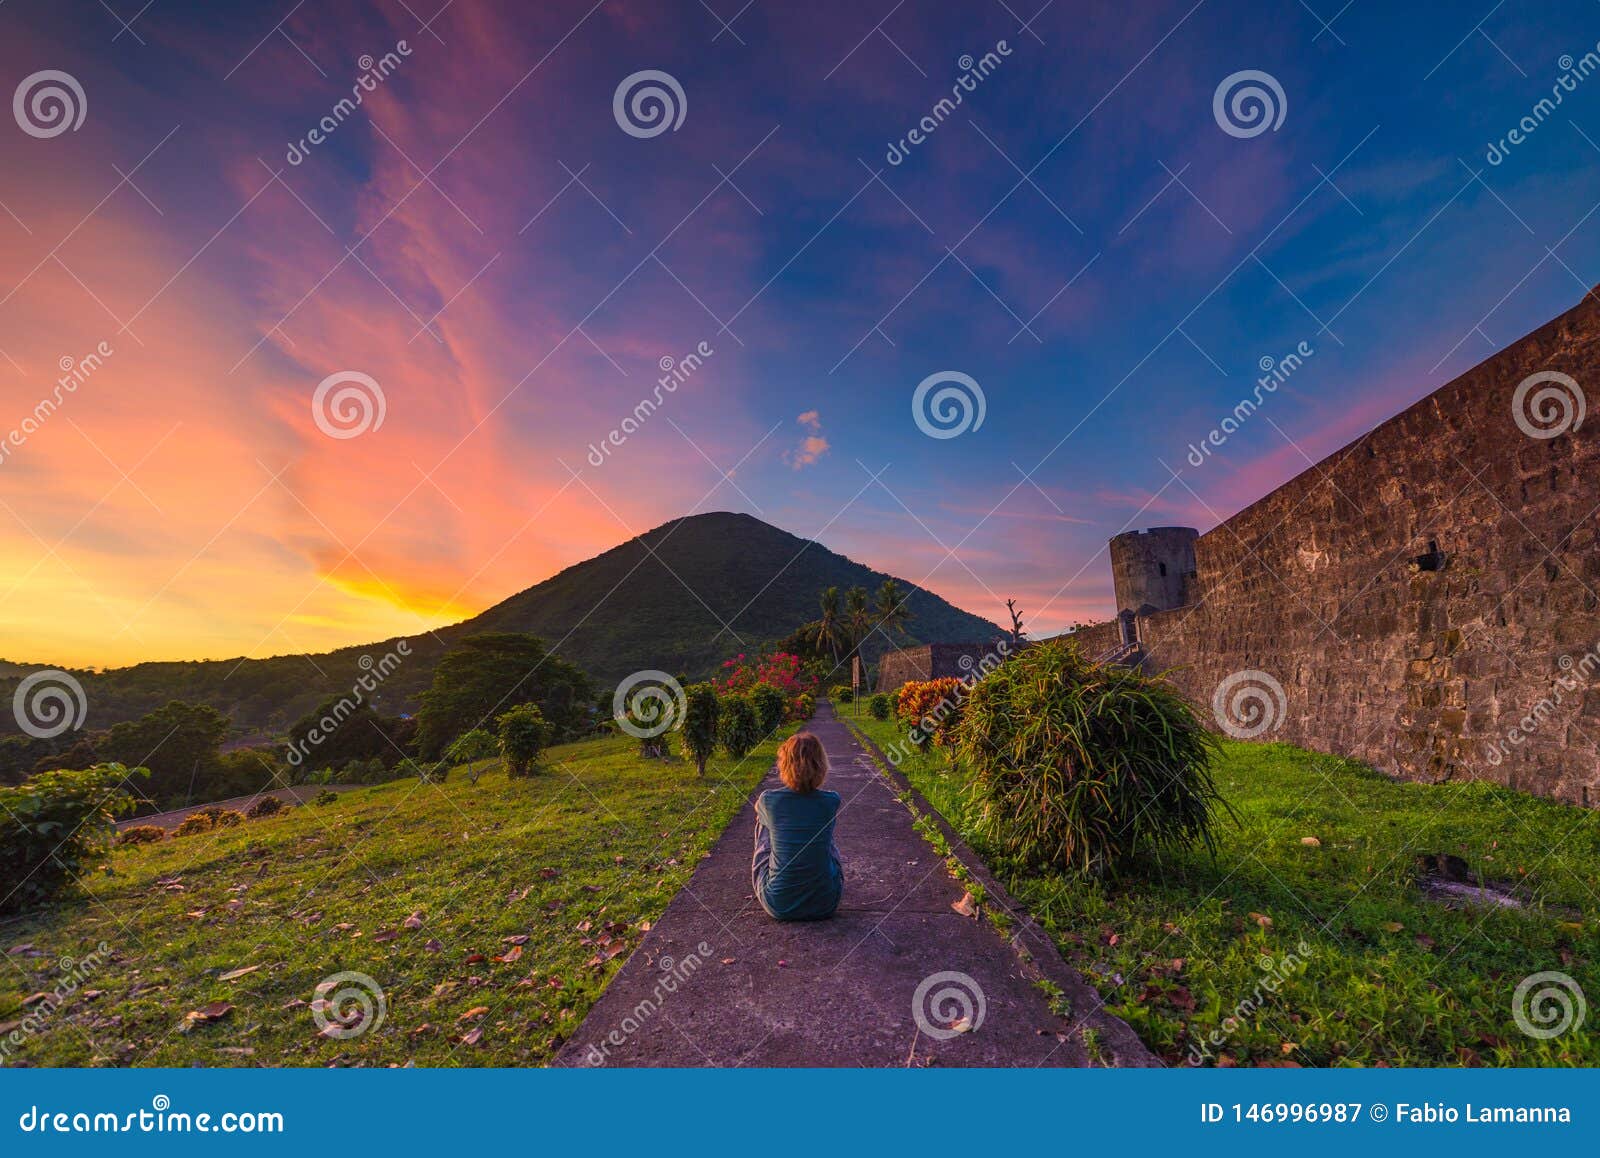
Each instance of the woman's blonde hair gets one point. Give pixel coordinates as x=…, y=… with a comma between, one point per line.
x=802, y=764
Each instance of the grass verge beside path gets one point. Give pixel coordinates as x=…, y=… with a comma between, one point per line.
x=1307, y=941
x=527, y=896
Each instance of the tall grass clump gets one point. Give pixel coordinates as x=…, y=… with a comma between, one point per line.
x=1079, y=767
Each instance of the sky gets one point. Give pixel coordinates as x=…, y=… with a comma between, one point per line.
x=327, y=385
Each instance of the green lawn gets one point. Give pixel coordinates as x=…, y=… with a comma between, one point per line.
x=576, y=862
x=1363, y=970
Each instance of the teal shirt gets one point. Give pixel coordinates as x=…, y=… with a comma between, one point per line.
x=795, y=871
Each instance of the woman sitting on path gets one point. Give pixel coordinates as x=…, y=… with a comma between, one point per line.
x=796, y=872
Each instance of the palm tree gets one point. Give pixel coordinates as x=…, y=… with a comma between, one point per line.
x=830, y=627
x=857, y=617
x=892, y=612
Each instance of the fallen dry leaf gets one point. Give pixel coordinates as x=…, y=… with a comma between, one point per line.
x=966, y=906
x=475, y=1011
x=216, y=1011
x=473, y=1036
x=433, y=945
x=519, y=939
x=1262, y=919
x=1310, y=842
x=414, y=921
x=235, y=974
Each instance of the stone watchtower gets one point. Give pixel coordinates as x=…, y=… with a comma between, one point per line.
x=1153, y=570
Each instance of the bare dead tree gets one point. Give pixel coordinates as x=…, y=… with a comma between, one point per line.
x=1017, y=634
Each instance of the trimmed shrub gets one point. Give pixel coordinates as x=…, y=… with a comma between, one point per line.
x=698, y=735
x=54, y=823
x=325, y=797
x=771, y=706
x=805, y=706
x=738, y=728
x=226, y=817
x=193, y=823
x=142, y=834
x=879, y=706
x=524, y=735
x=1079, y=766
x=841, y=693
x=266, y=806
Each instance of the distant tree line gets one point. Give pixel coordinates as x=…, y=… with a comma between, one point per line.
x=338, y=738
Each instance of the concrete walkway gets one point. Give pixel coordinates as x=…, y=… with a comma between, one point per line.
x=716, y=982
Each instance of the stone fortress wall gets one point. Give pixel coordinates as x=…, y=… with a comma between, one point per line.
x=1424, y=599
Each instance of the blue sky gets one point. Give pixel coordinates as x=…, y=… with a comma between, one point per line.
x=1081, y=237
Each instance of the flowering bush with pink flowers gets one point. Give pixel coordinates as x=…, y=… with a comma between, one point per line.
x=780, y=669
